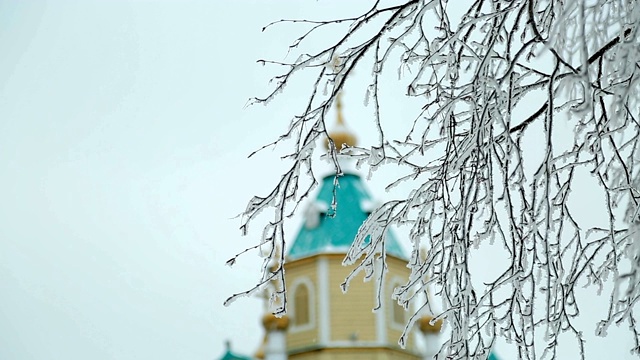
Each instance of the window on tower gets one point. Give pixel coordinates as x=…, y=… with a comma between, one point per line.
x=301, y=309
x=398, y=313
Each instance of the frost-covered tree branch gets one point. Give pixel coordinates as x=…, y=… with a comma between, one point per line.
x=521, y=103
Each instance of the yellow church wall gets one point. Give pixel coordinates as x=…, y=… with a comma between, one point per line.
x=398, y=273
x=295, y=272
x=351, y=312
x=393, y=335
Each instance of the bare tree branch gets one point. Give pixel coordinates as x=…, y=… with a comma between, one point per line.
x=490, y=78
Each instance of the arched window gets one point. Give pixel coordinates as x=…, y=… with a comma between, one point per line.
x=301, y=309
x=398, y=314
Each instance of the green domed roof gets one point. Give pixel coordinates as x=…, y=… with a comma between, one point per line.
x=328, y=230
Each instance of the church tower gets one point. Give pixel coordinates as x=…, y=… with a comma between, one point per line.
x=322, y=321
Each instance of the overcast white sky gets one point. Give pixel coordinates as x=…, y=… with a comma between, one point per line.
x=123, y=144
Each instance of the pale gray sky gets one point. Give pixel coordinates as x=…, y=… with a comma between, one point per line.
x=123, y=144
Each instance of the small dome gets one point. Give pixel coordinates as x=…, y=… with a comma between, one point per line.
x=427, y=328
x=340, y=139
x=272, y=322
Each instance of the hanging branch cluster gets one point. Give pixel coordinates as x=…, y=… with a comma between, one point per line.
x=522, y=102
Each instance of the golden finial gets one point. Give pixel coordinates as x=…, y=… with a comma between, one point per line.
x=339, y=119
x=340, y=134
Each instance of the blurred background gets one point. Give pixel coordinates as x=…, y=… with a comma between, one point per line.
x=124, y=138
